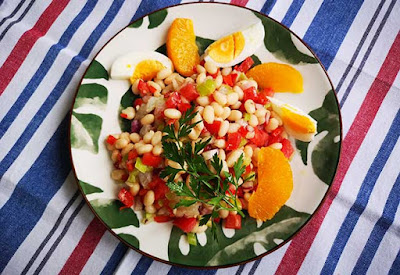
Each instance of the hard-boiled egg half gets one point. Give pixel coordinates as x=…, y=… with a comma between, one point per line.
x=135, y=65
x=296, y=122
x=234, y=48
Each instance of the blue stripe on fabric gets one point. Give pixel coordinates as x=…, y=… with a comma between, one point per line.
x=34, y=191
x=114, y=260
x=148, y=6
x=45, y=66
x=142, y=266
x=267, y=7
x=379, y=231
x=60, y=86
x=22, y=211
x=13, y=12
x=18, y=19
x=363, y=196
x=189, y=271
x=394, y=270
x=329, y=27
x=292, y=12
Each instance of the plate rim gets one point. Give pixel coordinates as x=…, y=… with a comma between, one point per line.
x=307, y=221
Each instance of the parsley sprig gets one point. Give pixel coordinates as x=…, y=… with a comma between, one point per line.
x=205, y=186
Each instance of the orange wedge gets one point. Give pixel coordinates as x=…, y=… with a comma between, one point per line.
x=275, y=184
x=181, y=46
x=280, y=77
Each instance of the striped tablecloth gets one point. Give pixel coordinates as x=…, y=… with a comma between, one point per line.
x=45, y=225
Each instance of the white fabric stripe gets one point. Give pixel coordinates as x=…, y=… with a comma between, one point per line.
x=128, y=262
x=280, y=9
x=371, y=215
x=101, y=254
x=255, y=4
x=305, y=16
x=158, y=268
x=68, y=243
x=270, y=263
x=28, y=248
x=388, y=249
x=17, y=30
x=228, y=271
x=36, y=57
x=322, y=244
x=6, y=8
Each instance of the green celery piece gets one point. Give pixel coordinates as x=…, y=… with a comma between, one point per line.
x=192, y=238
x=206, y=88
x=142, y=167
x=247, y=116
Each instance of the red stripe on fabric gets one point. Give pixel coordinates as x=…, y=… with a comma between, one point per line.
x=27, y=40
x=84, y=249
x=300, y=245
x=239, y=2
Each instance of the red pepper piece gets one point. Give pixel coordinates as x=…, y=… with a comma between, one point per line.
x=186, y=224
x=137, y=102
x=189, y=92
x=126, y=198
x=124, y=115
x=234, y=140
x=245, y=65
x=213, y=128
x=151, y=160
x=250, y=93
x=143, y=88
x=162, y=218
x=111, y=140
x=233, y=221
x=243, y=130
x=227, y=79
x=287, y=148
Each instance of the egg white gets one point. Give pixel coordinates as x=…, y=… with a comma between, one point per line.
x=124, y=66
x=253, y=37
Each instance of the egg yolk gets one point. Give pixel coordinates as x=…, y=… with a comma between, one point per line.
x=297, y=122
x=146, y=70
x=227, y=48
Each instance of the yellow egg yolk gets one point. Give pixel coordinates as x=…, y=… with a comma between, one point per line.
x=146, y=70
x=297, y=122
x=227, y=48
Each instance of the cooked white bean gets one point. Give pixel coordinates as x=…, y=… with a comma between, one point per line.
x=218, y=109
x=220, y=98
x=134, y=137
x=134, y=188
x=156, y=139
x=235, y=115
x=221, y=154
x=179, y=79
x=199, y=109
x=129, y=112
x=200, y=69
x=250, y=135
x=250, y=106
x=272, y=124
x=172, y=113
x=199, y=229
x=115, y=155
x=210, y=67
x=164, y=73
x=194, y=134
x=127, y=149
x=224, y=169
x=201, y=78
x=248, y=184
x=121, y=143
x=220, y=143
x=275, y=115
x=147, y=119
x=255, y=156
x=226, y=113
x=160, y=83
x=150, y=209
x=226, y=71
x=208, y=114
x=169, y=79
x=203, y=100
x=276, y=145
x=233, y=157
x=284, y=135
x=134, y=87
x=233, y=127
x=148, y=199
x=253, y=121
x=218, y=81
x=146, y=148
x=154, y=85
x=110, y=147
x=223, y=213
x=223, y=128
x=236, y=106
x=157, y=150
x=138, y=144
x=148, y=136
x=246, y=196
x=125, y=135
x=239, y=91
x=117, y=174
x=175, y=85
x=248, y=151
x=232, y=98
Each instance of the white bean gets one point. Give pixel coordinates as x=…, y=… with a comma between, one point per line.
x=239, y=91
x=150, y=209
x=146, y=148
x=147, y=119
x=134, y=87
x=129, y=112
x=218, y=109
x=203, y=100
x=121, y=143
x=127, y=149
x=226, y=71
x=200, y=69
x=233, y=127
x=117, y=174
x=134, y=188
x=233, y=157
x=218, y=81
x=248, y=151
x=157, y=150
x=221, y=154
x=232, y=98
x=237, y=105
x=148, y=136
x=223, y=213
x=235, y=115
x=201, y=78
x=223, y=128
x=250, y=106
x=156, y=139
x=253, y=121
x=172, y=113
x=155, y=86
x=246, y=196
x=194, y=134
x=169, y=79
x=134, y=137
x=115, y=155
x=164, y=73
x=208, y=114
x=220, y=143
x=148, y=199
x=220, y=98
x=226, y=113
x=272, y=124
x=210, y=67
x=276, y=145
x=160, y=83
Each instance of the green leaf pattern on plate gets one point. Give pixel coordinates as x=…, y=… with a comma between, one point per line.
x=157, y=18
x=136, y=24
x=108, y=211
x=132, y=240
x=241, y=246
x=325, y=156
x=91, y=94
x=85, y=131
x=87, y=188
x=279, y=42
x=96, y=70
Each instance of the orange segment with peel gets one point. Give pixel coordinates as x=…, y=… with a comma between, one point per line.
x=275, y=184
x=181, y=46
x=280, y=77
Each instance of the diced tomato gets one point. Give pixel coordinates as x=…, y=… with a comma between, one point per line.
x=155, y=181
x=233, y=221
x=211, y=98
x=124, y=115
x=262, y=95
x=130, y=166
x=183, y=107
x=186, y=224
x=124, y=177
x=234, y=140
x=217, y=220
x=162, y=218
x=160, y=190
x=152, y=89
x=234, y=77
x=195, y=69
x=189, y=91
x=171, y=121
x=250, y=93
x=227, y=79
x=232, y=190
x=260, y=137
x=213, y=128
x=143, y=88
x=277, y=132
x=137, y=102
x=287, y=148
x=111, y=140
x=204, y=131
x=248, y=170
x=143, y=191
x=245, y=65
x=214, y=75
x=275, y=136
x=240, y=192
x=173, y=100
x=243, y=130
x=126, y=198
x=202, y=62
x=151, y=160
x=132, y=154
